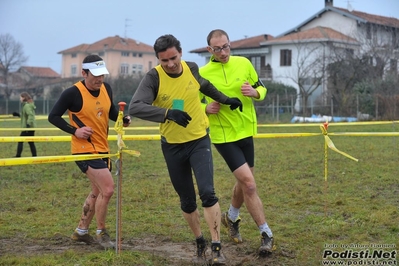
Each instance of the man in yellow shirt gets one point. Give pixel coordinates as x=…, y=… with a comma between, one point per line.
x=232, y=132
x=169, y=94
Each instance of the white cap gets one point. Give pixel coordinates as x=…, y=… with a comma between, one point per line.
x=96, y=68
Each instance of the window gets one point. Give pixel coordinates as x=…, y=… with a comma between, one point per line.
x=395, y=39
x=140, y=69
x=137, y=68
x=124, y=69
x=101, y=54
x=74, y=70
x=73, y=55
x=368, y=31
x=140, y=55
x=285, y=57
x=369, y=60
x=126, y=54
x=256, y=62
x=149, y=65
x=134, y=55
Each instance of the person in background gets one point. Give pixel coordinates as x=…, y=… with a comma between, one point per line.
x=90, y=107
x=169, y=94
x=232, y=132
x=28, y=120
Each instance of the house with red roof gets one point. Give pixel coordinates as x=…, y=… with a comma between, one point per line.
x=299, y=57
x=123, y=56
x=252, y=49
x=31, y=80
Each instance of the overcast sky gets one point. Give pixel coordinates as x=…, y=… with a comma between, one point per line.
x=45, y=27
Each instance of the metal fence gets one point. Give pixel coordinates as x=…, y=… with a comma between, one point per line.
x=43, y=106
x=377, y=108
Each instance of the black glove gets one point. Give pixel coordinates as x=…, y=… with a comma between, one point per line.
x=15, y=114
x=126, y=120
x=181, y=118
x=234, y=103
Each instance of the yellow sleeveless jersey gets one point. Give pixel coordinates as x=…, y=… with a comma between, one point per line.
x=185, y=88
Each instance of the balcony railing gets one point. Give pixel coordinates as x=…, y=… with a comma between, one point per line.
x=265, y=74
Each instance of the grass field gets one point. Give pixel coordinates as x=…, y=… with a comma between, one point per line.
x=357, y=205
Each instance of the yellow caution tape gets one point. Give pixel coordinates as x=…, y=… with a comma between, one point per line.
x=132, y=152
x=285, y=135
x=60, y=158
x=68, y=138
x=331, y=145
x=57, y=129
x=52, y=159
x=119, y=130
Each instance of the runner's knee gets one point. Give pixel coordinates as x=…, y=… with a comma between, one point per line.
x=208, y=200
x=249, y=188
x=108, y=193
x=188, y=206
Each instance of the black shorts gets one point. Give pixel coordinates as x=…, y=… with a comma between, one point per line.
x=28, y=133
x=237, y=153
x=95, y=164
x=184, y=159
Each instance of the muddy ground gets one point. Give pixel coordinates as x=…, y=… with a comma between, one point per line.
x=177, y=253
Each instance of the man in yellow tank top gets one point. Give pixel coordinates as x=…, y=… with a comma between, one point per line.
x=169, y=95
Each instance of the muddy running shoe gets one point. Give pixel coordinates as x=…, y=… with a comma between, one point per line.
x=199, y=257
x=266, y=245
x=234, y=227
x=86, y=238
x=104, y=240
x=217, y=256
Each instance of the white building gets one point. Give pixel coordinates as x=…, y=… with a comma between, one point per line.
x=299, y=56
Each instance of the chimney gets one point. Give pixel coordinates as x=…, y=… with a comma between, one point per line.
x=328, y=2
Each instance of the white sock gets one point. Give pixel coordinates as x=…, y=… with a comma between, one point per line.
x=82, y=231
x=265, y=228
x=233, y=213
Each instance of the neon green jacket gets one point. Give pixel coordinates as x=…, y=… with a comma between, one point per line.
x=227, y=125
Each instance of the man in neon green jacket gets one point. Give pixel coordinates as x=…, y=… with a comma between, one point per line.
x=232, y=132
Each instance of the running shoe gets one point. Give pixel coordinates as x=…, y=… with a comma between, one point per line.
x=233, y=227
x=86, y=238
x=266, y=244
x=104, y=240
x=217, y=256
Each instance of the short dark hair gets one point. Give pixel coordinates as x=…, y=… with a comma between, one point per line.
x=91, y=58
x=216, y=33
x=165, y=42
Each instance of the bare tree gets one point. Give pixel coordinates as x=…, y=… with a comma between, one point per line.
x=11, y=57
x=124, y=86
x=309, y=69
x=373, y=62
x=344, y=71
